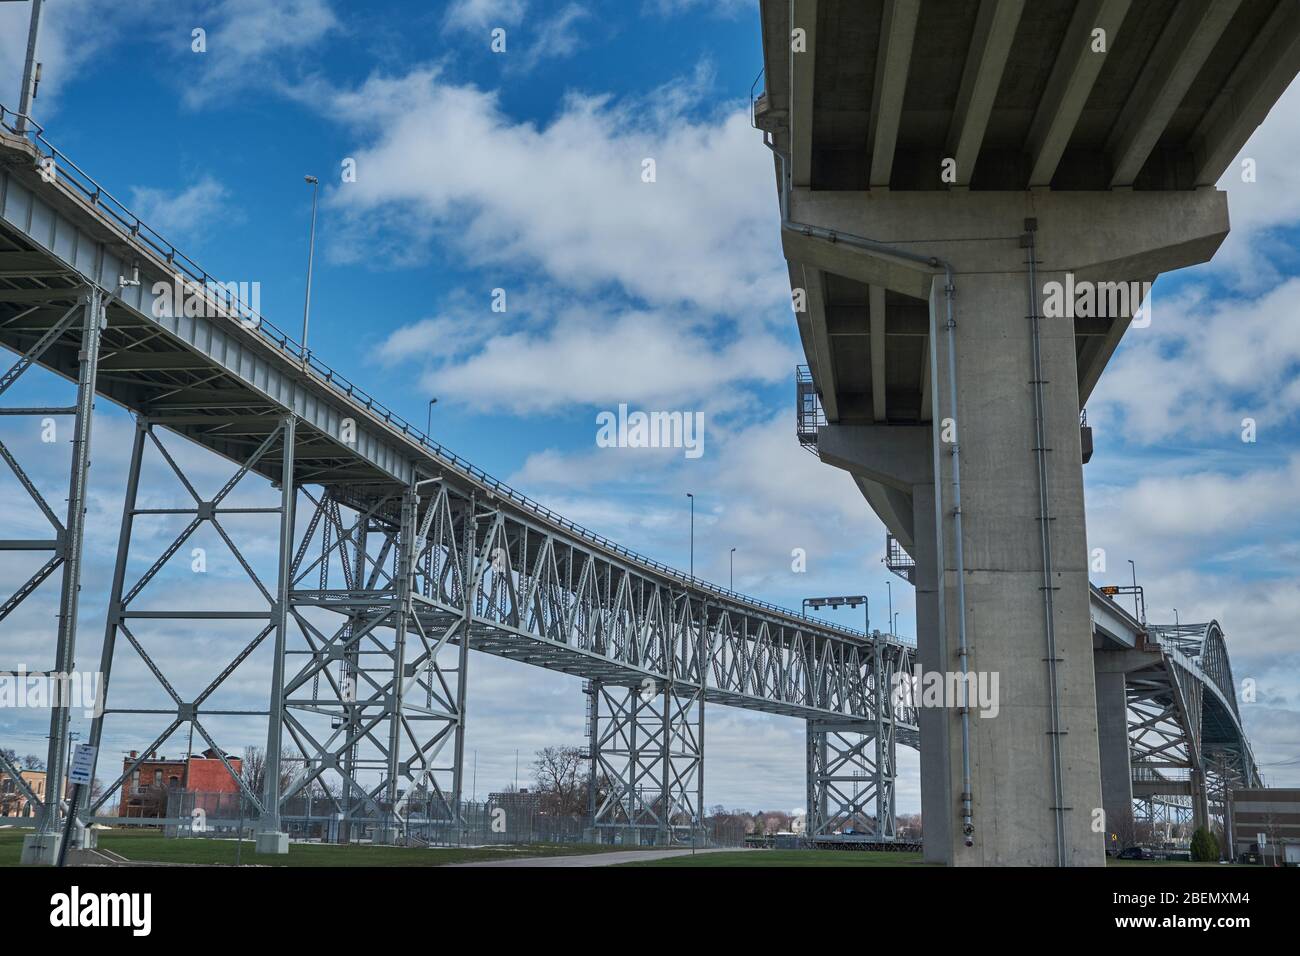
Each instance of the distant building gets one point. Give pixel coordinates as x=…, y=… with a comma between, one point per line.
x=519, y=802
x=13, y=799
x=144, y=791
x=1272, y=813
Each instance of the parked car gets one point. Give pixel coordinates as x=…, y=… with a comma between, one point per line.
x=1136, y=853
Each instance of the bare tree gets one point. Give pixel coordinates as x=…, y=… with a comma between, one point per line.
x=561, y=779
x=253, y=769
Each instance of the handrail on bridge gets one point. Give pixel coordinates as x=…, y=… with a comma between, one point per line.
x=100, y=198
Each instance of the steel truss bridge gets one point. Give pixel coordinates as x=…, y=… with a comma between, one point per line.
x=393, y=559
x=1188, y=748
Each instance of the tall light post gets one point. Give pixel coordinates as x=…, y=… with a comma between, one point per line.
x=31, y=69
x=890, y=588
x=428, y=423
x=692, y=497
x=311, y=254
x=1176, y=624
x=733, y=569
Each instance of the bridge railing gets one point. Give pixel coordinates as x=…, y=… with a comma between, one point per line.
x=99, y=198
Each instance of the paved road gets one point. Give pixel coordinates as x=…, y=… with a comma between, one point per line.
x=594, y=859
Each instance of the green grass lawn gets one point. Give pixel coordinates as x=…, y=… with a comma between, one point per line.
x=149, y=846
x=11, y=846
x=789, y=858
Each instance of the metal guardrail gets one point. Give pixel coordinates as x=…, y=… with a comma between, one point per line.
x=101, y=199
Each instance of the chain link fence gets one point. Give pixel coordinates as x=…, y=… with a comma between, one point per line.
x=509, y=820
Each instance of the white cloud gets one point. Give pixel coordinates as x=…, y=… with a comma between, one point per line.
x=756, y=490
x=183, y=213
x=568, y=197
x=477, y=14
x=1203, y=365
x=1197, y=505
x=250, y=41
x=643, y=358
x=73, y=32
x=1271, y=202
x=554, y=38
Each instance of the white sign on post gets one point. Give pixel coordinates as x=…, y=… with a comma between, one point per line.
x=83, y=764
x=1261, y=839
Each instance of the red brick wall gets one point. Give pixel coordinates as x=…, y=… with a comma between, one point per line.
x=206, y=775
x=210, y=775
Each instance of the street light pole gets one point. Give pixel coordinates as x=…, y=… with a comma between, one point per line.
x=889, y=586
x=428, y=425
x=692, y=497
x=31, y=69
x=311, y=255
x=733, y=569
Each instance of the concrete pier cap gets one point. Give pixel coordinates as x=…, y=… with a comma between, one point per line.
x=1058, y=157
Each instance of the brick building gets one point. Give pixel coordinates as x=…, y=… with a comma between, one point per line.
x=13, y=799
x=144, y=791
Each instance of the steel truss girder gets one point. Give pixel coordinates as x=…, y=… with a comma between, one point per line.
x=647, y=762
x=1165, y=755
x=552, y=601
x=83, y=323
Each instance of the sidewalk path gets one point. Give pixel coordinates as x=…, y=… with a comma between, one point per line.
x=596, y=859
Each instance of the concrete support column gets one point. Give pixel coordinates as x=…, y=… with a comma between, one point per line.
x=1116, y=771
x=1035, y=778
x=940, y=810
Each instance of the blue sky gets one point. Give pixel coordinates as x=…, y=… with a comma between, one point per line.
x=521, y=171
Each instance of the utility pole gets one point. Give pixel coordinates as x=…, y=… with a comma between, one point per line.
x=733, y=569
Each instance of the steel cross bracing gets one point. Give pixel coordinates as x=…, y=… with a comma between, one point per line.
x=1188, y=748
x=416, y=554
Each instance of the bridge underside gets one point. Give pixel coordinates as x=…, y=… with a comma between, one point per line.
x=975, y=199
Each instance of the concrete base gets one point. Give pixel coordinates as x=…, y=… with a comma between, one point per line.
x=1116, y=773
x=41, y=849
x=389, y=836
x=273, y=842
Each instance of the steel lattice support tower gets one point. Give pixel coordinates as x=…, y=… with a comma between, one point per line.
x=648, y=758
x=124, y=616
